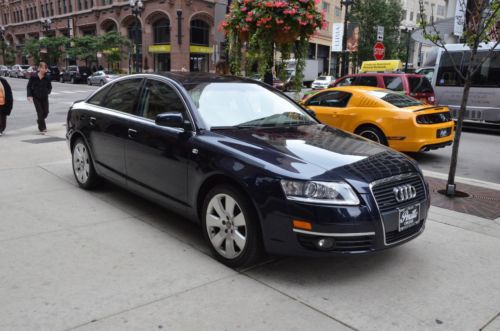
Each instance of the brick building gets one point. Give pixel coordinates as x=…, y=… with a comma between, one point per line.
x=172, y=34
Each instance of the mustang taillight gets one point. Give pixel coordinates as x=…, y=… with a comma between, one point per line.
x=434, y=118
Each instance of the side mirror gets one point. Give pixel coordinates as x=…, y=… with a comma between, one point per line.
x=310, y=112
x=171, y=119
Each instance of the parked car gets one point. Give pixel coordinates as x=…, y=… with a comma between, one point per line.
x=4, y=70
x=75, y=74
x=102, y=77
x=413, y=85
x=18, y=70
x=54, y=73
x=277, y=83
x=248, y=163
x=384, y=116
x=322, y=82
x=29, y=72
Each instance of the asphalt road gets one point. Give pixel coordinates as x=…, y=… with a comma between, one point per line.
x=479, y=153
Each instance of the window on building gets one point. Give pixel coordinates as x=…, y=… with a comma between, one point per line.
x=338, y=11
x=51, y=9
x=161, y=31
x=440, y=11
x=199, y=32
x=79, y=4
x=411, y=16
x=28, y=14
x=326, y=7
x=403, y=13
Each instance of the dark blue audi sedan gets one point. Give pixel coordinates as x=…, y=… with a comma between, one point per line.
x=258, y=172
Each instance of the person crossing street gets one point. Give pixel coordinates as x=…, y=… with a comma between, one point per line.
x=39, y=88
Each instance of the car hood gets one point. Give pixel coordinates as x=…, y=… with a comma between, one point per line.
x=316, y=152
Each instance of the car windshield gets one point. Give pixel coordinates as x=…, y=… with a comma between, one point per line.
x=321, y=78
x=241, y=105
x=395, y=99
x=25, y=67
x=109, y=72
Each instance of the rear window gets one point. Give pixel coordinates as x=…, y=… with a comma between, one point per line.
x=393, y=83
x=25, y=67
x=420, y=85
x=84, y=69
x=395, y=99
x=366, y=81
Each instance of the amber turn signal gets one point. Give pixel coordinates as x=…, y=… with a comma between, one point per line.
x=302, y=225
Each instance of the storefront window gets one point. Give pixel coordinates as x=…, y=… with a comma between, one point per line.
x=199, y=33
x=161, y=30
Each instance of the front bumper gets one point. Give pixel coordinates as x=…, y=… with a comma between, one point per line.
x=354, y=230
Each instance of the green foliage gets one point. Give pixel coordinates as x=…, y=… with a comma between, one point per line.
x=111, y=44
x=84, y=47
x=32, y=49
x=371, y=13
x=8, y=53
x=55, y=49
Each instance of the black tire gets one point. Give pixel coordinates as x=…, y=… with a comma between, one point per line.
x=83, y=167
x=372, y=133
x=72, y=81
x=61, y=79
x=88, y=82
x=240, y=229
x=102, y=83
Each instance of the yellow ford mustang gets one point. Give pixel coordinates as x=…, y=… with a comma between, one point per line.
x=384, y=116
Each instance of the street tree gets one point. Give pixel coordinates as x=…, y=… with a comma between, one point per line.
x=8, y=52
x=479, y=19
x=84, y=48
x=370, y=14
x=112, y=45
x=49, y=49
x=32, y=49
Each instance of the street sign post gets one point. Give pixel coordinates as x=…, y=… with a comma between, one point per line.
x=378, y=51
x=380, y=33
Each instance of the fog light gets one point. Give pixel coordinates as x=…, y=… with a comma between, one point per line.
x=325, y=243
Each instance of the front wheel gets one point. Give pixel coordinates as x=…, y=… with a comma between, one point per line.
x=231, y=227
x=72, y=81
x=61, y=79
x=83, y=168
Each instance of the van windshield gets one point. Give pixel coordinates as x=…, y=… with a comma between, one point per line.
x=420, y=85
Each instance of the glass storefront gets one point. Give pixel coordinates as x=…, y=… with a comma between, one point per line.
x=199, y=57
x=198, y=62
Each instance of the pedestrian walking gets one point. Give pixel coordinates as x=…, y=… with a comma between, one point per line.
x=39, y=88
x=6, y=102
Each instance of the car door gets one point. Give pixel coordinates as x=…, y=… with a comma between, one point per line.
x=331, y=107
x=109, y=123
x=157, y=156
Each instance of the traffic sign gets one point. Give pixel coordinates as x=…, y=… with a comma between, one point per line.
x=378, y=51
x=380, y=33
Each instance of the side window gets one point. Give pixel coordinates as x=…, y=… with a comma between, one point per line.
x=99, y=96
x=488, y=74
x=393, y=83
x=123, y=95
x=447, y=76
x=346, y=81
x=335, y=99
x=158, y=97
x=366, y=81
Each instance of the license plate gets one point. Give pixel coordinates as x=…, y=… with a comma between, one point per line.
x=441, y=133
x=408, y=217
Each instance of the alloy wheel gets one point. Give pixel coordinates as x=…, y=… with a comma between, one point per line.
x=226, y=226
x=81, y=162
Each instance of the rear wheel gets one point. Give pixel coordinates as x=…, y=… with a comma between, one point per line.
x=372, y=133
x=102, y=83
x=83, y=168
x=231, y=227
x=61, y=79
x=72, y=80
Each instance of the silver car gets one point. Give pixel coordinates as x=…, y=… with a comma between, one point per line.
x=101, y=77
x=18, y=70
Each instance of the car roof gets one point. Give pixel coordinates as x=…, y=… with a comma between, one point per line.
x=195, y=78
x=357, y=88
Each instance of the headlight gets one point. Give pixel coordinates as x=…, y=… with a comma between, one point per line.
x=334, y=193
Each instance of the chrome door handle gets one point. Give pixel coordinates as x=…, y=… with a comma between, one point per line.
x=132, y=133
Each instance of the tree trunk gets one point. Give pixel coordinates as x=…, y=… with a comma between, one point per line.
x=450, y=186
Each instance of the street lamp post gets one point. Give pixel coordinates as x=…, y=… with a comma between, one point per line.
x=46, y=22
x=345, y=54
x=136, y=6
x=408, y=37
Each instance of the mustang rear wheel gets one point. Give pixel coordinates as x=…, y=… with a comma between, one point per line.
x=231, y=228
x=372, y=133
x=83, y=168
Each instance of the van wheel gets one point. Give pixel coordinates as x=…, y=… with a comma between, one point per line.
x=231, y=227
x=372, y=133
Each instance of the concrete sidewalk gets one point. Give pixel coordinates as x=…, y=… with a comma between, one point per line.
x=108, y=260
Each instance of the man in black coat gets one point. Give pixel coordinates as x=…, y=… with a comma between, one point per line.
x=39, y=88
x=6, y=108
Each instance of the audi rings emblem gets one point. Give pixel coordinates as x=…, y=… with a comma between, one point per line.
x=404, y=192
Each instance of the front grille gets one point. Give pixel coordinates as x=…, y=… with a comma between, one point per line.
x=395, y=236
x=342, y=244
x=434, y=118
x=384, y=195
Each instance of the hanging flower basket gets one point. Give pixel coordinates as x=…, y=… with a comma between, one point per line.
x=284, y=37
